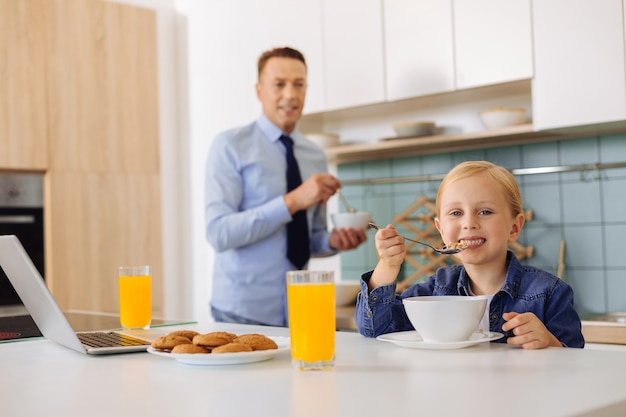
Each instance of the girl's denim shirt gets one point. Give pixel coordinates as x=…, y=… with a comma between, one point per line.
x=525, y=289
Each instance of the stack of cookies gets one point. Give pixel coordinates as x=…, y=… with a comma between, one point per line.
x=190, y=341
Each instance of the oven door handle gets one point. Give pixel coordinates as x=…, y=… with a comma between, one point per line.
x=18, y=219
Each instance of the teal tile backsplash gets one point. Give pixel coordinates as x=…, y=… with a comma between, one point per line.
x=586, y=209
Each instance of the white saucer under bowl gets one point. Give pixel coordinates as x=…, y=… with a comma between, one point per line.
x=412, y=339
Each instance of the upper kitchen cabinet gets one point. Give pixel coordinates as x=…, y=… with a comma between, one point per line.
x=419, y=51
x=298, y=24
x=493, y=41
x=579, y=63
x=102, y=88
x=353, y=45
x=23, y=111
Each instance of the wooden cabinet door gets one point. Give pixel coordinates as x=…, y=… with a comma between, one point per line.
x=493, y=41
x=353, y=48
x=579, y=63
x=23, y=118
x=102, y=87
x=100, y=221
x=419, y=51
x=103, y=197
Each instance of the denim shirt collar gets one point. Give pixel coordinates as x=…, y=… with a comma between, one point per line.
x=512, y=280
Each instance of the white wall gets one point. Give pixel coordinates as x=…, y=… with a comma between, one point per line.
x=178, y=284
x=222, y=50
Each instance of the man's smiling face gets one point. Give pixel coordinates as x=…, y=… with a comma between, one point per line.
x=282, y=89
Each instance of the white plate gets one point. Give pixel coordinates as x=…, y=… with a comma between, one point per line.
x=235, y=358
x=412, y=339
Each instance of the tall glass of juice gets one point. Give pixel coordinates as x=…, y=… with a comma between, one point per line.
x=311, y=310
x=135, y=286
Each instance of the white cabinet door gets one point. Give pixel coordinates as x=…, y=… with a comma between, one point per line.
x=298, y=24
x=493, y=41
x=419, y=52
x=353, y=48
x=579, y=63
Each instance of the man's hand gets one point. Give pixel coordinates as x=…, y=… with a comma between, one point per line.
x=345, y=239
x=317, y=189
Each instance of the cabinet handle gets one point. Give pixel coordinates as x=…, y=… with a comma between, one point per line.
x=18, y=219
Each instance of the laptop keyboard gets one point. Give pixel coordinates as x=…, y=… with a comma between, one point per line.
x=106, y=339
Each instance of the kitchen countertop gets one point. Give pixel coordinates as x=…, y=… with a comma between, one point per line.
x=596, y=329
x=604, y=332
x=344, y=316
x=371, y=378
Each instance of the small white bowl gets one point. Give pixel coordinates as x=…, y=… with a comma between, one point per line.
x=502, y=117
x=346, y=292
x=414, y=129
x=445, y=318
x=323, y=140
x=358, y=220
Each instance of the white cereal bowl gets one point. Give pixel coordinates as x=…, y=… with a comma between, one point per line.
x=445, y=318
x=346, y=292
x=358, y=220
x=502, y=117
x=323, y=140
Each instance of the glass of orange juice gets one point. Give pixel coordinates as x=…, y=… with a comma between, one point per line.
x=135, y=286
x=311, y=310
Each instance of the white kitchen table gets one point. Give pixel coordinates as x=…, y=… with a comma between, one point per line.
x=371, y=378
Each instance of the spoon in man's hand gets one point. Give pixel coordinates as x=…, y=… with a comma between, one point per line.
x=345, y=203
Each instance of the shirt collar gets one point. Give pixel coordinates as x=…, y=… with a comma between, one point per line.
x=511, y=281
x=271, y=131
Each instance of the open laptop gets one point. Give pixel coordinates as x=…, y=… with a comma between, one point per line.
x=46, y=313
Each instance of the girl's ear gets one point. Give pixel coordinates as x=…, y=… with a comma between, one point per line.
x=438, y=226
x=516, y=227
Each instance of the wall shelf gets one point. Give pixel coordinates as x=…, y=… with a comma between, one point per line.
x=395, y=148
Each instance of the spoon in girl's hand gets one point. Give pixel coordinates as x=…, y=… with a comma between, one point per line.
x=446, y=250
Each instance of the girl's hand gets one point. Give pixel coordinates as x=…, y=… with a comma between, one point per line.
x=390, y=246
x=529, y=331
x=391, y=250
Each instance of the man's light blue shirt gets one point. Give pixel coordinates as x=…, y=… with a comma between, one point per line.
x=246, y=218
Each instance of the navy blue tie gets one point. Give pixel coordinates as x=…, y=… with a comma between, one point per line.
x=298, y=246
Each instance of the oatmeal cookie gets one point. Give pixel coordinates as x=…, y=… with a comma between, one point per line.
x=189, y=334
x=189, y=348
x=168, y=342
x=213, y=339
x=232, y=347
x=256, y=341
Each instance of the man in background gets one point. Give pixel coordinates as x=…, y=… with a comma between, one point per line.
x=265, y=212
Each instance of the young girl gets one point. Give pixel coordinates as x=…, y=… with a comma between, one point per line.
x=478, y=204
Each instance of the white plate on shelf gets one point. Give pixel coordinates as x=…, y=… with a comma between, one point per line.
x=412, y=339
x=219, y=359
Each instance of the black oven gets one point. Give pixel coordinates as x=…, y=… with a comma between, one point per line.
x=21, y=214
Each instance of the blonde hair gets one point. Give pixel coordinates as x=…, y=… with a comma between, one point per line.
x=500, y=175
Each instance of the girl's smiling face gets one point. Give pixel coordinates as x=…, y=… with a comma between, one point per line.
x=475, y=210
